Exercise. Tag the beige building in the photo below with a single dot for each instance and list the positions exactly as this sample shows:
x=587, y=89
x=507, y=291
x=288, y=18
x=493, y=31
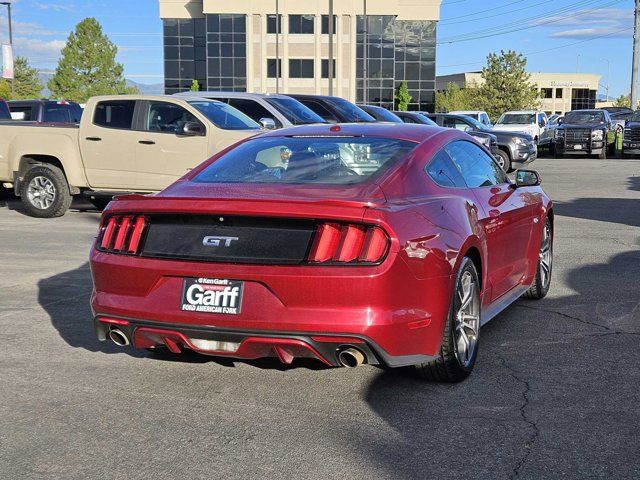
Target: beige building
x=561, y=92
x=236, y=45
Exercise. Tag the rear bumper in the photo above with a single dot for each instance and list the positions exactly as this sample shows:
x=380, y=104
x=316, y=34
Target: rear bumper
x=286, y=346
x=395, y=317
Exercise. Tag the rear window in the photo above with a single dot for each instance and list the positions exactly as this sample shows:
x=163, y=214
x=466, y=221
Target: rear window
x=306, y=160
x=61, y=113
x=22, y=113
x=115, y=114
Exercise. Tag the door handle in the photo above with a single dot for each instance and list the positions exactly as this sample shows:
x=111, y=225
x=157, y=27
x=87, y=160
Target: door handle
x=94, y=139
x=147, y=142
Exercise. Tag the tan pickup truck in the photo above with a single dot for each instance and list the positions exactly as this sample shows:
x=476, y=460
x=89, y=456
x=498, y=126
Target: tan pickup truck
x=124, y=143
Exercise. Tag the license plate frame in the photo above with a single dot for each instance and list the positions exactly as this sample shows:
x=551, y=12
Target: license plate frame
x=211, y=295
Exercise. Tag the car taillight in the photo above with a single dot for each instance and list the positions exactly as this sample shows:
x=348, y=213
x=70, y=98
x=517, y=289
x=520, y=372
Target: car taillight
x=122, y=233
x=350, y=243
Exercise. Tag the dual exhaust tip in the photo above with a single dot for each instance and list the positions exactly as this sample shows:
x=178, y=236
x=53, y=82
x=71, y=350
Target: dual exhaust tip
x=349, y=357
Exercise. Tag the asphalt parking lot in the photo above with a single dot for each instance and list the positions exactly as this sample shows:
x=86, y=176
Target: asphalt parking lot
x=554, y=394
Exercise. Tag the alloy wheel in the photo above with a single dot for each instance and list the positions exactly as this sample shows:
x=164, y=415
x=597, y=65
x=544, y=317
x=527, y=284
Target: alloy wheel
x=546, y=256
x=41, y=192
x=467, y=319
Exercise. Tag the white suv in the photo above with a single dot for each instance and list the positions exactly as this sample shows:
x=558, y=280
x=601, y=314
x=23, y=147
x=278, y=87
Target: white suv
x=526, y=121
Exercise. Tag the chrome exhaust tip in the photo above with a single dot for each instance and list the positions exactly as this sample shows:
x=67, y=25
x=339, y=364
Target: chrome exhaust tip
x=351, y=357
x=118, y=337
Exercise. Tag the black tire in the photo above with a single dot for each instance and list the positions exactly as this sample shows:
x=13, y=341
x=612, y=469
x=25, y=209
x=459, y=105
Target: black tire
x=100, y=202
x=552, y=149
x=59, y=195
x=540, y=286
x=505, y=160
x=448, y=367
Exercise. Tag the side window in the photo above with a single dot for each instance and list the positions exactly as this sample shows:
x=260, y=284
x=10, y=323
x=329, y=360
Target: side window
x=455, y=123
x=485, y=119
x=443, y=171
x=478, y=168
x=253, y=109
x=320, y=110
x=114, y=114
x=165, y=117
x=407, y=119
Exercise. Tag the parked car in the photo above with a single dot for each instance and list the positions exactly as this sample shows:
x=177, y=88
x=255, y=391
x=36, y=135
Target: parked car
x=270, y=110
x=552, y=131
x=586, y=132
x=617, y=110
x=334, y=109
x=487, y=139
x=45, y=111
x=124, y=143
x=531, y=122
x=381, y=114
x=631, y=139
x=620, y=119
x=5, y=113
x=279, y=248
x=515, y=149
x=479, y=115
x=415, y=117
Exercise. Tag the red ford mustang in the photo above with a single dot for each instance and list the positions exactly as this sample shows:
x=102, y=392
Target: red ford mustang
x=382, y=244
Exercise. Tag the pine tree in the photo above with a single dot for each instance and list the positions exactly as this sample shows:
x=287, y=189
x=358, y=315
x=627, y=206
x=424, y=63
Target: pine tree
x=507, y=85
x=26, y=83
x=88, y=66
x=402, y=97
x=195, y=86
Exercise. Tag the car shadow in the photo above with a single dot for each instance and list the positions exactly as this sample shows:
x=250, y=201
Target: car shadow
x=613, y=210
x=9, y=201
x=66, y=299
x=634, y=183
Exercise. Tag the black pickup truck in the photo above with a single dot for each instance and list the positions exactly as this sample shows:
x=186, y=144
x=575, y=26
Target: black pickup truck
x=586, y=132
x=631, y=139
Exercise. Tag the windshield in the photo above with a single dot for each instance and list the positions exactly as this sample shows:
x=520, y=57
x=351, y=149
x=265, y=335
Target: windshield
x=427, y=120
x=349, y=111
x=517, y=119
x=297, y=160
x=223, y=116
x=635, y=117
x=476, y=124
x=584, y=117
x=294, y=111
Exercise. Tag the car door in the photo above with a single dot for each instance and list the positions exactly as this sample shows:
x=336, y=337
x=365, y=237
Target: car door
x=163, y=152
x=108, y=145
x=505, y=215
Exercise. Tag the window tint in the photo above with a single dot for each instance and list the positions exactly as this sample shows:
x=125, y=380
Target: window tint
x=22, y=113
x=65, y=113
x=320, y=110
x=408, y=119
x=167, y=117
x=224, y=116
x=114, y=114
x=478, y=168
x=458, y=124
x=5, y=114
x=253, y=109
x=443, y=171
x=294, y=111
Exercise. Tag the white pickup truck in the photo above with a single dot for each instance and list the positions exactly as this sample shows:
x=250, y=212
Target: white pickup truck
x=124, y=143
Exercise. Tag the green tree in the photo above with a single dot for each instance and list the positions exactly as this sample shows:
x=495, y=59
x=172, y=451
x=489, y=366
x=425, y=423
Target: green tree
x=402, y=97
x=195, y=86
x=456, y=98
x=507, y=85
x=26, y=83
x=88, y=66
x=623, y=101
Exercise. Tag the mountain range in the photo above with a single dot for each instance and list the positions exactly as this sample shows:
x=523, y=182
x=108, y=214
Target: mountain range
x=148, y=89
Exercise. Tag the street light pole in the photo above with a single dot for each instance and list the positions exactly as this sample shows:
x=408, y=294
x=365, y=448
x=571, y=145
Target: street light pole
x=634, y=68
x=8, y=4
x=608, y=76
x=330, y=69
x=364, y=56
x=277, y=47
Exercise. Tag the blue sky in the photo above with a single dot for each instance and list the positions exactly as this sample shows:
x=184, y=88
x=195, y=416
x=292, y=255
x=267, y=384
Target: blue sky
x=557, y=35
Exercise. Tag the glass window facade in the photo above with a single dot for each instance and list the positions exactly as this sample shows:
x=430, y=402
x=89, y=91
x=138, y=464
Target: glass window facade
x=396, y=52
x=582, y=98
x=185, y=54
x=227, y=52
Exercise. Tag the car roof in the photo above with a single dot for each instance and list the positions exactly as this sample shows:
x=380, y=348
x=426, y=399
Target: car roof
x=217, y=93
x=464, y=112
x=523, y=111
x=401, y=131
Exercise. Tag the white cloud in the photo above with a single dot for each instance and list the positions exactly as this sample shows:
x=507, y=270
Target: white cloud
x=611, y=22
x=56, y=7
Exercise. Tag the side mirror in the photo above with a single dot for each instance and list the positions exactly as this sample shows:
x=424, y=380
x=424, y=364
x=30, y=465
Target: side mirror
x=268, y=123
x=560, y=120
x=468, y=129
x=193, y=129
x=527, y=178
